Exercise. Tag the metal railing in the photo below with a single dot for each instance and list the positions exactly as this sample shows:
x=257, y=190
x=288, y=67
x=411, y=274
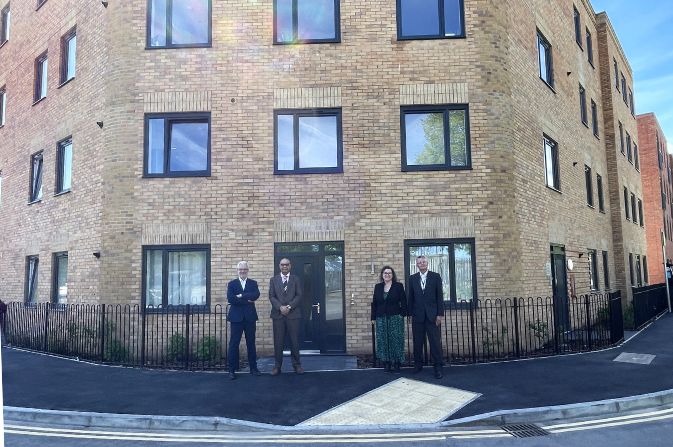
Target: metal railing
x=504, y=329
x=648, y=302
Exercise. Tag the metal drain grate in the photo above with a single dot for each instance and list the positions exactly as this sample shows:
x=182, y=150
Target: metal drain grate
x=525, y=430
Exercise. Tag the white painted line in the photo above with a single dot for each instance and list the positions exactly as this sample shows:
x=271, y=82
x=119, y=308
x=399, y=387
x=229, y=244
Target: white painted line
x=615, y=424
x=611, y=419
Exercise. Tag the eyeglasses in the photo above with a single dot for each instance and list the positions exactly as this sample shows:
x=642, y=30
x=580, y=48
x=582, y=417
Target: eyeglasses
x=387, y=273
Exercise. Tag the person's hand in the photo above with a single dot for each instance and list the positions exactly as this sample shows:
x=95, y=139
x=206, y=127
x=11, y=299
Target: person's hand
x=239, y=295
x=438, y=321
x=284, y=310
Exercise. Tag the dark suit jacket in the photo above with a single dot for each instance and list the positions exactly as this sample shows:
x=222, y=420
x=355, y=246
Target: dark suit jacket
x=240, y=309
x=428, y=303
x=281, y=297
x=396, y=304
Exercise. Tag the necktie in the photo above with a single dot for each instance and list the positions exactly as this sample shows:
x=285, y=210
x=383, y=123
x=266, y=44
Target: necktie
x=423, y=283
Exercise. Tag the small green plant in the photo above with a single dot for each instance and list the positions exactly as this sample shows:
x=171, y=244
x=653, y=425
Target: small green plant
x=115, y=351
x=603, y=316
x=176, y=348
x=493, y=340
x=629, y=318
x=208, y=349
x=540, y=330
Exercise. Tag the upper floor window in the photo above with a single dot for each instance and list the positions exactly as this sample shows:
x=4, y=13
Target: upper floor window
x=589, y=185
x=590, y=48
x=551, y=164
x=40, y=3
x=626, y=203
x=30, y=291
x=36, y=177
x=435, y=137
x=624, y=92
x=634, y=216
x=583, y=106
x=5, y=17
x=308, y=141
x=629, y=156
x=177, y=145
x=545, y=59
x=621, y=137
x=304, y=21
x=633, y=110
x=614, y=62
x=594, y=117
x=578, y=26
x=64, y=166
x=636, y=157
x=599, y=188
x=41, y=65
x=427, y=19
x=3, y=105
x=68, y=51
x=640, y=212
x=179, y=23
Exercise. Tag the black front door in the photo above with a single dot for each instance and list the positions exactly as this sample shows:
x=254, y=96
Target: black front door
x=320, y=268
x=559, y=286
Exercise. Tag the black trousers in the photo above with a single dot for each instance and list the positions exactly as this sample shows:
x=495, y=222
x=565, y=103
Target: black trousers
x=430, y=330
x=281, y=326
x=237, y=329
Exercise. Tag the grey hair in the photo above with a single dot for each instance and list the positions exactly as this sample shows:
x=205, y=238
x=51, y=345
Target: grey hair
x=242, y=264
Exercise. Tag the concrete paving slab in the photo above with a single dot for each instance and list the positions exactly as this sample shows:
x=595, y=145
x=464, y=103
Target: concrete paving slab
x=639, y=359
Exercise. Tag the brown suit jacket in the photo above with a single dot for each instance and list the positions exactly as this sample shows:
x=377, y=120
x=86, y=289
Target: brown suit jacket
x=281, y=297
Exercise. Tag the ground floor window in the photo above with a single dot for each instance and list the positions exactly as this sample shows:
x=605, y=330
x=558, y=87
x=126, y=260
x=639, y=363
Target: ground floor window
x=32, y=263
x=176, y=275
x=453, y=259
x=60, y=278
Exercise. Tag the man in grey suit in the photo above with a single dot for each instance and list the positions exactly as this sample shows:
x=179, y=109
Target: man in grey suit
x=285, y=294
x=426, y=307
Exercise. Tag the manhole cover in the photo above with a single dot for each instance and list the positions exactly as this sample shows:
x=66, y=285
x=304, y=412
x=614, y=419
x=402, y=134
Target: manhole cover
x=525, y=430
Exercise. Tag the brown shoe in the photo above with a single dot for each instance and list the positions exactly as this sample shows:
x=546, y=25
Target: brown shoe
x=275, y=371
x=299, y=369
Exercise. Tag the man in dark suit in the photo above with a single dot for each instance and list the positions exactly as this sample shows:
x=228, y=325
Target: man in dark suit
x=241, y=294
x=426, y=307
x=285, y=294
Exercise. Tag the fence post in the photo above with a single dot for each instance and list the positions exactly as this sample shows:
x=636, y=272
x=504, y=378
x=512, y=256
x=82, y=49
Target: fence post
x=187, y=330
x=46, y=327
x=143, y=333
x=517, y=340
x=102, y=332
x=588, y=312
x=473, y=331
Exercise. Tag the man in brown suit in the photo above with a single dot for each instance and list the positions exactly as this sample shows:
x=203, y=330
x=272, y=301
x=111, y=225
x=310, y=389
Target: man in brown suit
x=285, y=294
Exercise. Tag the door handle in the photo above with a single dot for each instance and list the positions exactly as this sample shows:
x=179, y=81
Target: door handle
x=317, y=308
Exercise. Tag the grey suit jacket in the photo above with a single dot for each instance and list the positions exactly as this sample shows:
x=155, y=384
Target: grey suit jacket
x=279, y=296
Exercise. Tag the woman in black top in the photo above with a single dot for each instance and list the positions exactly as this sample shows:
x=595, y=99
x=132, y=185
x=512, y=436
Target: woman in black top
x=389, y=307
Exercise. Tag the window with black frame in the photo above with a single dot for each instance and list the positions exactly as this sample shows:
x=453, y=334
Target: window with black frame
x=179, y=23
x=606, y=271
x=599, y=190
x=453, y=259
x=64, y=166
x=629, y=156
x=583, y=106
x=315, y=21
x=3, y=104
x=640, y=212
x=177, y=145
x=589, y=185
x=30, y=290
x=35, y=177
x=594, y=117
x=636, y=157
x=551, y=163
x=68, y=53
x=626, y=203
x=435, y=137
x=430, y=19
x=545, y=60
x=621, y=138
x=634, y=216
x=593, y=269
x=308, y=141
x=60, y=278
x=577, y=21
x=5, y=19
x=41, y=69
x=176, y=275
x=590, y=48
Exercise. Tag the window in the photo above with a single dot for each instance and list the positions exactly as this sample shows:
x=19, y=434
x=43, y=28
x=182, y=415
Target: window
x=68, y=51
x=633, y=278
x=614, y=62
x=633, y=208
x=59, y=294
x=64, y=166
x=663, y=195
x=40, y=3
x=453, y=259
x=640, y=212
x=636, y=157
x=5, y=17
x=593, y=270
x=36, y=177
x=435, y=138
x=629, y=155
x=176, y=275
x=583, y=106
x=590, y=48
x=30, y=289
x=427, y=19
x=3, y=105
x=177, y=145
x=606, y=271
x=599, y=187
x=621, y=137
x=624, y=93
x=589, y=186
x=308, y=141
x=646, y=277
x=639, y=281
x=633, y=111
x=626, y=203
x=551, y=164
x=301, y=21
x=594, y=117
x=40, y=77
x=545, y=59
x=179, y=23
x=578, y=26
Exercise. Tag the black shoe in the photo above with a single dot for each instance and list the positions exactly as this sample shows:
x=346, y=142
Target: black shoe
x=255, y=372
x=417, y=369
x=438, y=373
x=232, y=375
x=397, y=369
x=386, y=367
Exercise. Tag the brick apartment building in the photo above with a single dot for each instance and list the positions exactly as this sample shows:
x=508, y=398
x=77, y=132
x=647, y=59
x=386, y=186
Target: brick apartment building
x=147, y=147
x=656, y=165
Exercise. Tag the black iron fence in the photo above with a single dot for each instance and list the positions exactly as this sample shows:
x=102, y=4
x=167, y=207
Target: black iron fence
x=504, y=329
x=648, y=302
x=181, y=337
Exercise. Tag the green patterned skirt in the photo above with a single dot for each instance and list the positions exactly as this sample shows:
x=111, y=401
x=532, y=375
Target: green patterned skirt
x=390, y=338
